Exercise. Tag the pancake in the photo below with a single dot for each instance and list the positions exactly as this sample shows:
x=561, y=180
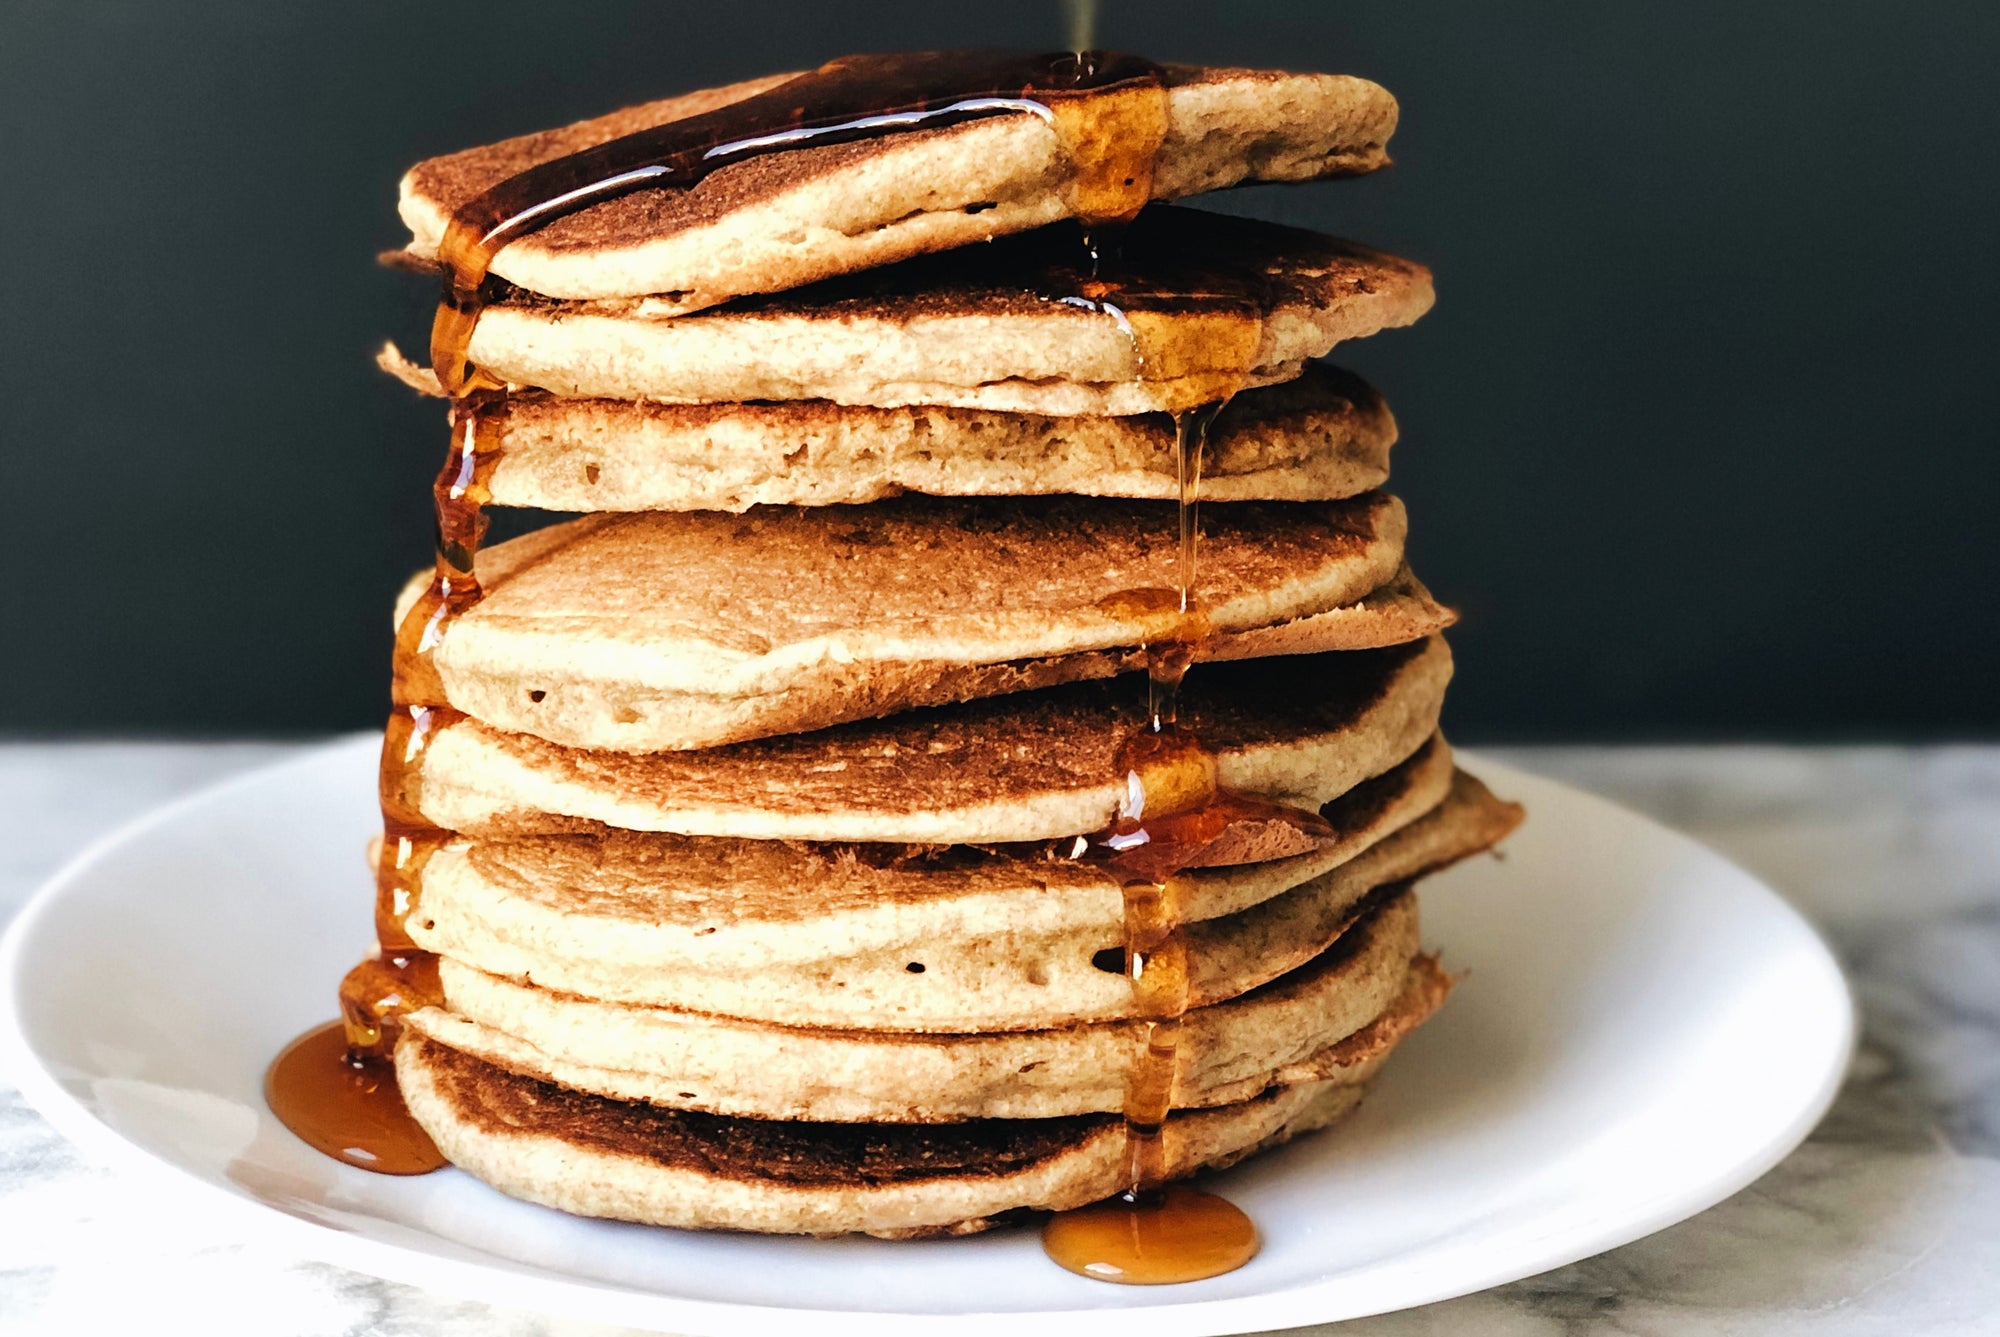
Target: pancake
x=635, y=1162
x=1398, y=613
x=650, y=631
x=994, y=977
x=1290, y=1030
x=1300, y=729
x=1319, y=438
x=1230, y=1050
x=1204, y=304
x=642, y=901
x=789, y=218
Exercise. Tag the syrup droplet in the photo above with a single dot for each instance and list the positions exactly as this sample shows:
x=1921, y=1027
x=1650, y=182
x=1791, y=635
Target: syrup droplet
x=1172, y=1235
x=349, y=1108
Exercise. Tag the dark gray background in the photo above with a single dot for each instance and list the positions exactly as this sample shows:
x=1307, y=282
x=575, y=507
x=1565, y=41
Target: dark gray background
x=1700, y=434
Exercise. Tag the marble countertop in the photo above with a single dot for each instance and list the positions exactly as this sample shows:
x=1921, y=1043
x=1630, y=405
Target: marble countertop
x=1886, y=1221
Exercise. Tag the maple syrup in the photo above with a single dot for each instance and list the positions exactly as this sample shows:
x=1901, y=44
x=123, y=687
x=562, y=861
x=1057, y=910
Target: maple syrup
x=346, y=1105
x=343, y=1099
x=401, y=977
x=459, y=497
x=335, y=1086
x=1177, y=1234
x=1156, y=1232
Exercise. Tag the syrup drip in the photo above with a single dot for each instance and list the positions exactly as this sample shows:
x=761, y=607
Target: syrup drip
x=343, y=1099
x=1108, y=110
x=335, y=1086
x=1082, y=23
x=347, y=1107
x=1177, y=1234
x=401, y=977
x=1155, y=1232
x=459, y=497
x=1205, y=342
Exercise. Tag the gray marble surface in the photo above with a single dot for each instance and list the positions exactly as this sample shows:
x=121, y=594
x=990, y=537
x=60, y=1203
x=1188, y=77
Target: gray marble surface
x=1886, y=1221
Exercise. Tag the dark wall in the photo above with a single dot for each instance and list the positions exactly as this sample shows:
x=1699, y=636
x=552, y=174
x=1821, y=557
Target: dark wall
x=1701, y=433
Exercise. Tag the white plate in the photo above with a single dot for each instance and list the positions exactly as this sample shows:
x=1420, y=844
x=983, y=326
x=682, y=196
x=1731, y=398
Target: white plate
x=1644, y=1029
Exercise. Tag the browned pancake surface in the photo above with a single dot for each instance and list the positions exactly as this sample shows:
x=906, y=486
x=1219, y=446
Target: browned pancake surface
x=658, y=878
x=1061, y=738
x=780, y=1151
x=453, y=180
x=1325, y=401
x=777, y=575
x=1170, y=259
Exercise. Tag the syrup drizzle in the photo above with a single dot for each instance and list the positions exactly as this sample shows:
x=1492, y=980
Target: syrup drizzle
x=459, y=497
x=343, y=1098
x=1155, y=1232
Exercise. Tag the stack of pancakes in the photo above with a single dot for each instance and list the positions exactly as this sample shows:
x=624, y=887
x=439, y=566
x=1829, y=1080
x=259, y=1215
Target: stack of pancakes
x=774, y=899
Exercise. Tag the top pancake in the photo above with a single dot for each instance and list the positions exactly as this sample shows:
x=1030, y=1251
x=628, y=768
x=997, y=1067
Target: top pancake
x=784, y=219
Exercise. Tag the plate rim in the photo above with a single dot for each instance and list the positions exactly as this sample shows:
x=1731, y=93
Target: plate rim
x=582, y=1298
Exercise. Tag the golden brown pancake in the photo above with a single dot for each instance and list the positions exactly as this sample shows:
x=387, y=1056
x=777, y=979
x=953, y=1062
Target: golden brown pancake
x=634, y=1162
x=1229, y=1051
x=1200, y=304
x=639, y=900
x=788, y=218
x=988, y=976
x=1300, y=729
x=652, y=631
x=1319, y=438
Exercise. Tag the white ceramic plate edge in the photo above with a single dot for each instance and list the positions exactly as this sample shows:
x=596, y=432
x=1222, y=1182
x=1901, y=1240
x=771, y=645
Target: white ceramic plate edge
x=1296, y=1306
